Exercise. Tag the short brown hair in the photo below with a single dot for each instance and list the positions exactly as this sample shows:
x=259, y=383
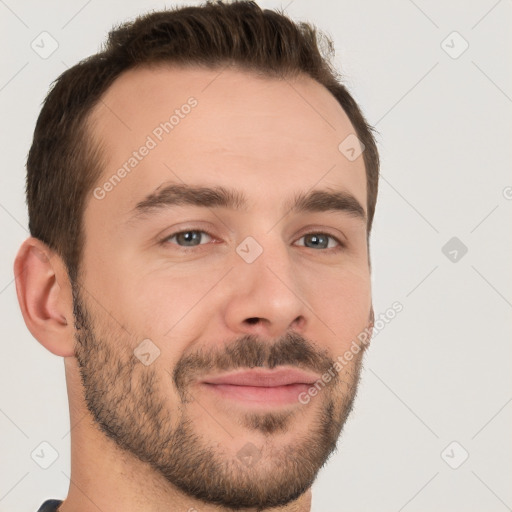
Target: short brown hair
x=64, y=163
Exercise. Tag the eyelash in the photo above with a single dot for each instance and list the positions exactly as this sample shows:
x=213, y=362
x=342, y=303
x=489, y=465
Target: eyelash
x=165, y=240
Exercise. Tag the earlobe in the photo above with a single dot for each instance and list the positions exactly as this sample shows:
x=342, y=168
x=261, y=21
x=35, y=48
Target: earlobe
x=44, y=295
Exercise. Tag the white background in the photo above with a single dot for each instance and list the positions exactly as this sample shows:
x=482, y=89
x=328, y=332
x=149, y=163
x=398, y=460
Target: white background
x=441, y=370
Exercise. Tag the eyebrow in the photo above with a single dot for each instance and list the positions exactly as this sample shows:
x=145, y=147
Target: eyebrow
x=223, y=197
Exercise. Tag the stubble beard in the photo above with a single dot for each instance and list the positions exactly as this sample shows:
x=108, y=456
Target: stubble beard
x=130, y=406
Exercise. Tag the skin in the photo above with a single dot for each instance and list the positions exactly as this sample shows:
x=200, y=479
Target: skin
x=268, y=140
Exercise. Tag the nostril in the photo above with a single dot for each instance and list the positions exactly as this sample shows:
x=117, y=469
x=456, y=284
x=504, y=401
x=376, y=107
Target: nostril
x=253, y=320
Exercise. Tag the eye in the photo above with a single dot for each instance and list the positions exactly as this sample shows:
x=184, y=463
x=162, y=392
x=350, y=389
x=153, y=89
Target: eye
x=196, y=237
x=189, y=238
x=320, y=241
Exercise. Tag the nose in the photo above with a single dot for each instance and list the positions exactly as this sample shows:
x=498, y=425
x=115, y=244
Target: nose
x=265, y=296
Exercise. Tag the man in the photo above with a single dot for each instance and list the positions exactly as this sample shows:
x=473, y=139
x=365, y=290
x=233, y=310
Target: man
x=200, y=197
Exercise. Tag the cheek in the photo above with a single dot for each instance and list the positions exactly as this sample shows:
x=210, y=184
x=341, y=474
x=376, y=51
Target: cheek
x=343, y=304
x=162, y=305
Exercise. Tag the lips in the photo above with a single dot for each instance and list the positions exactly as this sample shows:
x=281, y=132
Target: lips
x=264, y=378
x=261, y=388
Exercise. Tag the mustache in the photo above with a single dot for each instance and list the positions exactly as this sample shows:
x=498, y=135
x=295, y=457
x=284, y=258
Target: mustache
x=250, y=351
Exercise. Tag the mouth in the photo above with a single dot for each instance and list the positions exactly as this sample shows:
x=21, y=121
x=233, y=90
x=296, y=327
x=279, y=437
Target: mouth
x=260, y=387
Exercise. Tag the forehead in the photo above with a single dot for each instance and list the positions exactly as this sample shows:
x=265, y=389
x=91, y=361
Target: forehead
x=222, y=126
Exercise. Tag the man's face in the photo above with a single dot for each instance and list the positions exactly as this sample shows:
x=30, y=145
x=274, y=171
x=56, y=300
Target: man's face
x=218, y=291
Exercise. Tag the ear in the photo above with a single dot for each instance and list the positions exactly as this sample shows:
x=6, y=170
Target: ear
x=44, y=295
x=371, y=323
x=371, y=320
